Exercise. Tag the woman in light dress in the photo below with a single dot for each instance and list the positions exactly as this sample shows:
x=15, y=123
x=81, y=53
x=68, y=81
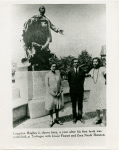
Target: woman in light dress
x=98, y=90
x=53, y=94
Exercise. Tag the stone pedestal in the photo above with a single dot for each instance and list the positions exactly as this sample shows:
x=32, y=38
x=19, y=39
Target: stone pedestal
x=32, y=87
x=31, y=84
x=37, y=108
x=19, y=112
x=24, y=82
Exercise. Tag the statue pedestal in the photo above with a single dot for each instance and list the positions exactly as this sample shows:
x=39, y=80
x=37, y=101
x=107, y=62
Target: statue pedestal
x=32, y=88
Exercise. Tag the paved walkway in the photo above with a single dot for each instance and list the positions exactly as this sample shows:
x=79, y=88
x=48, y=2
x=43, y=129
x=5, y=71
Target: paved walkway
x=65, y=116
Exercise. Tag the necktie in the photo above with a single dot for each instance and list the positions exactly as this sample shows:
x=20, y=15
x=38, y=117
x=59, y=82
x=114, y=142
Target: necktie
x=76, y=72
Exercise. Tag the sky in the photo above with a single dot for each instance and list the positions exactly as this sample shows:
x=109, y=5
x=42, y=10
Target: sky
x=84, y=27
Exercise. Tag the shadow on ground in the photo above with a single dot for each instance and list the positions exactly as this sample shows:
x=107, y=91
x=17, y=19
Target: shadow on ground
x=65, y=116
x=20, y=121
x=68, y=118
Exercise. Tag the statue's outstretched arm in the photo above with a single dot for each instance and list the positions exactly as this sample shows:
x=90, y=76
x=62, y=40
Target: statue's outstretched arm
x=54, y=28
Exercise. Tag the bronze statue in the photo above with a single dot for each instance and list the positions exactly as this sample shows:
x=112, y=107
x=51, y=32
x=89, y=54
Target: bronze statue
x=37, y=37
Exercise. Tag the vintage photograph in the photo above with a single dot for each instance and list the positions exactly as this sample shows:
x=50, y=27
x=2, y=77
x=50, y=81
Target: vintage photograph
x=58, y=65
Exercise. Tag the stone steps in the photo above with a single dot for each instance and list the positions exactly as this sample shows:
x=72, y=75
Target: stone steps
x=19, y=102
x=19, y=105
x=19, y=108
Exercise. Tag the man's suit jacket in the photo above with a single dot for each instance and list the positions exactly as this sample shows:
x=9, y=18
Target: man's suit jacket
x=76, y=82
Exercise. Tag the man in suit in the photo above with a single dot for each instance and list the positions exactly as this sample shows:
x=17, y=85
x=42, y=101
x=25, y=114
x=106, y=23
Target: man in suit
x=76, y=77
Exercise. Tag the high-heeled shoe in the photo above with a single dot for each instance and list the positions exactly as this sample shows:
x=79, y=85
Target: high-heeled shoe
x=58, y=122
x=97, y=121
x=51, y=123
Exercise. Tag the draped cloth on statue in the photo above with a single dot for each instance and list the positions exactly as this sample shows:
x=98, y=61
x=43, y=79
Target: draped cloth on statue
x=42, y=25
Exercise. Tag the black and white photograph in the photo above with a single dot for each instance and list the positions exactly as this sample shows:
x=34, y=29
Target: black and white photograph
x=58, y=65
x=55, y=92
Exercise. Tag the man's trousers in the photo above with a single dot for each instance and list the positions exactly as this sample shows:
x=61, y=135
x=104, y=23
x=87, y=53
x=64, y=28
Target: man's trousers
x=77, y=97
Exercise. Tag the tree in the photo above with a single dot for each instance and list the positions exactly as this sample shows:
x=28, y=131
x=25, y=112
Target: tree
x=65, y=64
x=56, y=60
x=85, y=58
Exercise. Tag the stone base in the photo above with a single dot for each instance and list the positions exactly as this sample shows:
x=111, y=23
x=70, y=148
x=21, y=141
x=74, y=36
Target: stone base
x=37, y=109
x=19, y=112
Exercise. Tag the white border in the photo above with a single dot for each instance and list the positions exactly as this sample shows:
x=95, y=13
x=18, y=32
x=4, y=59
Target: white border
x=112, y=86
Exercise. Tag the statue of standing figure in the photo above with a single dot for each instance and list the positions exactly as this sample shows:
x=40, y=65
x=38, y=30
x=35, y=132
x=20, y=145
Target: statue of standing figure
x=37, y=37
